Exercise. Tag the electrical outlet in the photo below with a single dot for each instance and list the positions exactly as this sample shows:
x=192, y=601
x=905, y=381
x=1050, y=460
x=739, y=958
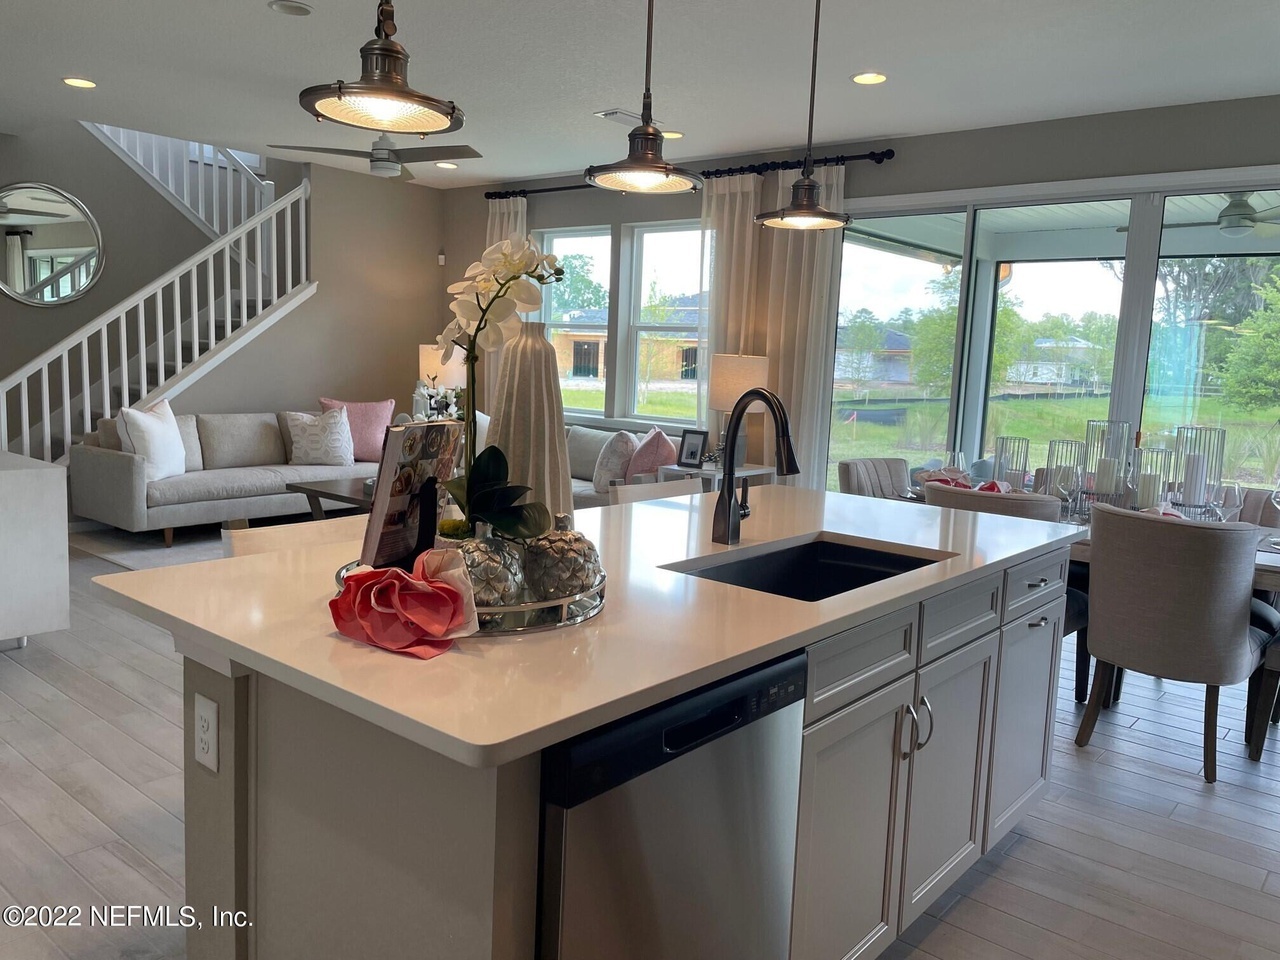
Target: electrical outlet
x=205, y=732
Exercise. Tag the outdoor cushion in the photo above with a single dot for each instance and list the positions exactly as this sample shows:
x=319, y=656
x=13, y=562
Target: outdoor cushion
x=239, y=439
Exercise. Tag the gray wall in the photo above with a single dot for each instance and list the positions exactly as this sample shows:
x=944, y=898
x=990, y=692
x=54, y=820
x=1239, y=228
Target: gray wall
x=374, y=245
x=143, y=235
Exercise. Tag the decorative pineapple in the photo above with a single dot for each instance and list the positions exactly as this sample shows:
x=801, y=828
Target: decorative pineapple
x=494, y=568
x=560, y=563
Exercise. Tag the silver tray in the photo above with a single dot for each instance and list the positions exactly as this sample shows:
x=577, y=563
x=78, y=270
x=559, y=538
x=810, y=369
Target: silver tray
x=527, y=616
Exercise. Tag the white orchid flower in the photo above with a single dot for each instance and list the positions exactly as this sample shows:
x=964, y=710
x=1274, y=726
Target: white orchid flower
x=467, y=311
x=526, y=293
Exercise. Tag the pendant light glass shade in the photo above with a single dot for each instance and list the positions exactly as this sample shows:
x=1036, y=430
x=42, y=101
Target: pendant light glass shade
x=382, y=98
x=643, y=170
x=805, y=211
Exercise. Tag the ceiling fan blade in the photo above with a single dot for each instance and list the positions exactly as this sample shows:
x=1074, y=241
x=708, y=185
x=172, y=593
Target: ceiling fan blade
x=336, y=151
x=421, y=154
x=1177, y=226
x=1267, y=215
x=1266, y=228
x=46, y=214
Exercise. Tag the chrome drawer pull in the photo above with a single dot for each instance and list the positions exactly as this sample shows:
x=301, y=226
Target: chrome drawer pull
x=915, y=732
x=1042, y=622
x=1037, y=584
x=924, y=702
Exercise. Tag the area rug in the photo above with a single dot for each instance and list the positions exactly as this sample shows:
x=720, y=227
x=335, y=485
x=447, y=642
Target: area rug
x=145, y=551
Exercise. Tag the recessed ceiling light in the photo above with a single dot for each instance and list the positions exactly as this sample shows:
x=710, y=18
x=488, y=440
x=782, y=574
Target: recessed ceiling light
x=671, y=135
x=446, y=165
x=869, y=79
x=79, y=83
x=290, y=8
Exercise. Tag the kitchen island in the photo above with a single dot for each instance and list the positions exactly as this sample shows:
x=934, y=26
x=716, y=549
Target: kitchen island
x=367, y=804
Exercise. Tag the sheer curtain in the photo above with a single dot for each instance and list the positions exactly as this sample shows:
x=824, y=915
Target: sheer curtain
x=730, y=241
x=15, y=262
x=799, y=287
x=506, y=217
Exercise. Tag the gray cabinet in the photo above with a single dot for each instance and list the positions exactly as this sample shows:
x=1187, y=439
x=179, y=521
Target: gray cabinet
x=1025, y=702
x=946, y=788
x=849, y=840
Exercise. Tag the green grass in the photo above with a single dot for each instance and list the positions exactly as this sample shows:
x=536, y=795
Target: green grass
x=659, y=405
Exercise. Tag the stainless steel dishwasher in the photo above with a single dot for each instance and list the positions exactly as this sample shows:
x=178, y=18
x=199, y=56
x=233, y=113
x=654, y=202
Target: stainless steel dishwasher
x=671, y=835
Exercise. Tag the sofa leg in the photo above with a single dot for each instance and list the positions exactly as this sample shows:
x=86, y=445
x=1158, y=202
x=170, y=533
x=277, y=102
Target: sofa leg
x=168, y=536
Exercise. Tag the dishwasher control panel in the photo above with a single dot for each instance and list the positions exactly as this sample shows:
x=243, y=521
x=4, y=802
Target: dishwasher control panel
x=775, y=695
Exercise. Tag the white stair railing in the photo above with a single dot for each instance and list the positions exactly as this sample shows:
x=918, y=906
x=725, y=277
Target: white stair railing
x=139, y=349
x=77, y=274
x=211, y=182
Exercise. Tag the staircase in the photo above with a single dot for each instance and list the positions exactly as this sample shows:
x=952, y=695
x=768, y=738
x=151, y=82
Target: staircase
x=211, y=185
x=169, y=334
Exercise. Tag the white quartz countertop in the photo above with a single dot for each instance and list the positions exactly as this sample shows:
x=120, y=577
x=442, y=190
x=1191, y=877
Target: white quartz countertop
x=492, y=700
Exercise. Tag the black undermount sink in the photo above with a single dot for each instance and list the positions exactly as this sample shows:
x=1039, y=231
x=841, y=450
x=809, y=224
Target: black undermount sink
x=811, y=571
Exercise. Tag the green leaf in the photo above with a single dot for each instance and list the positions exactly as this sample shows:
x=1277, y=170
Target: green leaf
x=497, y=498
x=522, y=521
x=490, y=468
x=457, y=488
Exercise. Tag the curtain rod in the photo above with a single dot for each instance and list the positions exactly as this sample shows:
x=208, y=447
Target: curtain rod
x=18, y=233
x=875, y=156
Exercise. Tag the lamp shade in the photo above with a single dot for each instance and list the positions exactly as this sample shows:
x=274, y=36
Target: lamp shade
x=731, y=376
x=432, y=367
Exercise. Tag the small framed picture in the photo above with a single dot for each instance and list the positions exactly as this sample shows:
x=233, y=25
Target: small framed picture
x=693, y=443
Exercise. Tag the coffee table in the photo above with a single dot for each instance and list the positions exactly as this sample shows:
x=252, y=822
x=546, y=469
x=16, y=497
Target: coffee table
x=350, y=491
x=713, y=474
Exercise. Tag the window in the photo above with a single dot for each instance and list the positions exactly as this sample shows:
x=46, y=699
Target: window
x=1214, y=355
x=576, y=312
x=896, y=326
x=665, y=302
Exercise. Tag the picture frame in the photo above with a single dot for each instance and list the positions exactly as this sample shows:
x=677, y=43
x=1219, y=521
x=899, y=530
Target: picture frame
x=693, y=444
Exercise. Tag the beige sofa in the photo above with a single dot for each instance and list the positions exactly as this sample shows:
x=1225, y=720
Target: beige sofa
x=585, y=444
x=237, y=468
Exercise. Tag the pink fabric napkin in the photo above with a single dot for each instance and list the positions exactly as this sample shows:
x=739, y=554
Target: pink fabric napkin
x=1165, y=511
x=418, y=613
x=996, y=486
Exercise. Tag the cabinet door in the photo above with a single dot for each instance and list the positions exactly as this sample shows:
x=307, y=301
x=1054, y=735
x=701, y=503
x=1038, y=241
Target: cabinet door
x=1022, y=730
x=947, y=788
x=849, y=842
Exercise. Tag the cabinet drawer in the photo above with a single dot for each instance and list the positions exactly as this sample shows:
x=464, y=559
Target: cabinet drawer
x=1034, y=583
x=951, y=620
x=852, y=664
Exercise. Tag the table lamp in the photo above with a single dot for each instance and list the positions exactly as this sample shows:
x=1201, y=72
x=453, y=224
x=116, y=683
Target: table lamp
x=433, y=370
x=731, y=376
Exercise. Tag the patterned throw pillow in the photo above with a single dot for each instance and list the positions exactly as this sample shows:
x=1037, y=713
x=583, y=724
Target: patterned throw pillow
x=368, y=422
x=614, y=460
x=655, y=450
x=321, y=441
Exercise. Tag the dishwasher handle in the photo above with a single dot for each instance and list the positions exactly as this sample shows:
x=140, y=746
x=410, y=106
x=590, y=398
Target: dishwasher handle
x=692, y=734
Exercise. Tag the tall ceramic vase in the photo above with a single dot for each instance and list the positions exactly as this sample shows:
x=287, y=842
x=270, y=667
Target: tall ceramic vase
x=528, y=419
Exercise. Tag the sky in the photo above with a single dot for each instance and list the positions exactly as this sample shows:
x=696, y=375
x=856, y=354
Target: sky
x=671, y=257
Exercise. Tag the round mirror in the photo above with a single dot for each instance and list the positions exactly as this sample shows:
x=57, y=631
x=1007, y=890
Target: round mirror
x=52, y=245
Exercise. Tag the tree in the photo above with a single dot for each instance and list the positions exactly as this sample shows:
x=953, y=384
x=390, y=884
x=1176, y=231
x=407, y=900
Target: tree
x=653, y=347
x=933, y=338
x=1252, y=371
x=577, y=291
x=859, y=334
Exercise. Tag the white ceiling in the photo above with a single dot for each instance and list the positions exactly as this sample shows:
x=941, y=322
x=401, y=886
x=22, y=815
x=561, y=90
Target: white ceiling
x=731, y=74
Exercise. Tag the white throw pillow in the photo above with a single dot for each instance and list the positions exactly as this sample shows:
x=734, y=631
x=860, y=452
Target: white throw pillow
x=615, y=458
x=323, y=440
x=153, y=434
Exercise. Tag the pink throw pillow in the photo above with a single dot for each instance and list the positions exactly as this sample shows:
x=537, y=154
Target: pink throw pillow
x=369, y=422
x=655, y=450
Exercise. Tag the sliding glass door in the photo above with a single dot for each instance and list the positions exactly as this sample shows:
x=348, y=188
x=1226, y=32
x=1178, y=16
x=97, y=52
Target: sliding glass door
x=1214, y=356
x=896, y=328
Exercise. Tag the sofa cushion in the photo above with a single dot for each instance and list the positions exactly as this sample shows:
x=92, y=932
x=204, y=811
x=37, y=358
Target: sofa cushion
x=190, y=441
x=585, y=444
x=615, y=459
x=109, y=434
x=368, y=421
x=233, y=483
x=584, y=494
x=239, y=440
x=323, y=440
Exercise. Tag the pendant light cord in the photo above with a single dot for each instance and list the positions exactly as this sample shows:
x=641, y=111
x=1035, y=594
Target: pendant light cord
x=646, y=106
x=813, y=89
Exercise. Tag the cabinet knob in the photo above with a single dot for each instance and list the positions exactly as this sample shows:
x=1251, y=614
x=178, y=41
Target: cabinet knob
x=1037, y=584
x=1042, y=622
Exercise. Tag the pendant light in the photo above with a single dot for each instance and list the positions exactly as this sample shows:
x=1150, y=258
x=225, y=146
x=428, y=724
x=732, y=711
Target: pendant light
x=644, y=170
x=382, y=98
x=805, y=211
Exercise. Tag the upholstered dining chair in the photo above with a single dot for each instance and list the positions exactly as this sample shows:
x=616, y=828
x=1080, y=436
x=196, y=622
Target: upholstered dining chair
x=1032, y=506
x=634, y=492
x=883, y=477
x=1172, y=599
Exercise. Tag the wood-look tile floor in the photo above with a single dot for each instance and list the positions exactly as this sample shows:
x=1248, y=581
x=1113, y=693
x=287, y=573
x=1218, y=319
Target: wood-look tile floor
x=1132, y=856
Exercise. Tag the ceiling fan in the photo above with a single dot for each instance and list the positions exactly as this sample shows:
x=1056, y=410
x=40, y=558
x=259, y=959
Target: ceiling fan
x=1239, y=218
x=10, y=214
x=388, y=160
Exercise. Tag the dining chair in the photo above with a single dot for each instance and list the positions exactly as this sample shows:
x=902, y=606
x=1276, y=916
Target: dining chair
x=883, y=477
x=1033, y=506
x=1172, y=599
x=289, y=536
x=634, y=492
